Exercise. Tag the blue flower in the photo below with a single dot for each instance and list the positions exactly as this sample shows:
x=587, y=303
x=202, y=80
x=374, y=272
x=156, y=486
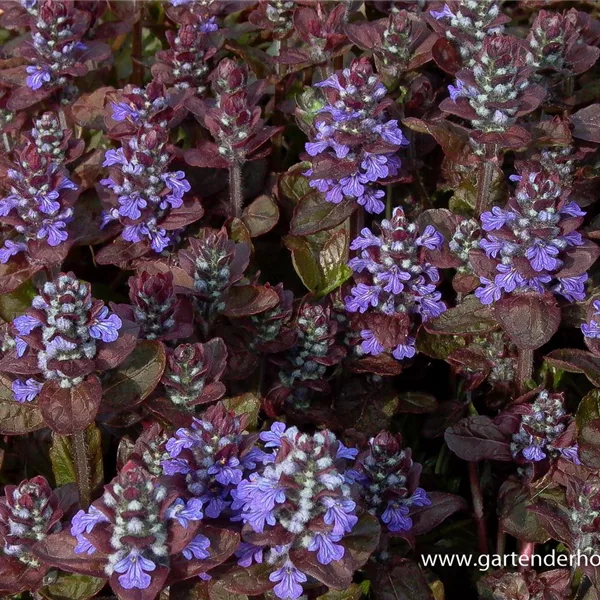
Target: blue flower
x=248, y=553
x=272, y=438
x=340, y=514
x=197, y=548
x=183, y=512
x=135, y=569
x=123, y=111
x=38, y=76
x=326, y=548
x=105, y=327
x=25, y=324
x=26, y=391
x=289, y=578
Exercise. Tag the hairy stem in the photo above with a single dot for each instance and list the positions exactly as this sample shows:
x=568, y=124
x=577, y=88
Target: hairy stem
x=484, y=184
x=81, y=457
x=524, y=369
x=525, y=554
x=235, y=189
x=478, y=512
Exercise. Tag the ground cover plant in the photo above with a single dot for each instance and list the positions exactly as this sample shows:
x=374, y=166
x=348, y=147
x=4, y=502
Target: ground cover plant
x=294, y=294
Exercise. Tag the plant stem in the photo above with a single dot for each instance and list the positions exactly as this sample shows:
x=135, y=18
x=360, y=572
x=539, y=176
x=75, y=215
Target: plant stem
x=389, y=202
x=137, y=72
x=524, y=369
x=484, y=184
x=500, y=540
x=277, y=114
x=526, y=549
x=235, y=189
x=81, y=456
x=478, y=512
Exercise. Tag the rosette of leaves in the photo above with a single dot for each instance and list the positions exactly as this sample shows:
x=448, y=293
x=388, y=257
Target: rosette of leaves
x=58, y=349
x=556, y=44
x=156, y=309
x=29, y=512
x=388, y=480
x=191, y=379
x=141, y=535
x=535, y=430
x=320, y=30
x=233, y=119
x=302, y=368
x=211, y=271
x=555, y=584
x=300, y=520
x=400, y=43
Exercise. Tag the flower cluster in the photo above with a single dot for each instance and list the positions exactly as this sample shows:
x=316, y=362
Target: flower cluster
x=57, y=49
x=60, y=336
x=315, y=349
x=496, y=90
x=467, y=23
x=159, y=312
x=234, y=118
x=186, y=64
x=28, y=513
x=354, y=138
x=140, y=530
x=40, y=199
x=212, y=456
x=529, y=242
x=543, y=423
x=193, y=373
x=275, y=15
x=394, y=277
x=555, y=43
x=214, y=263
x=389, y=481
x=591, y=328
x=144, y=194
x=301, y=499
x=392, y=41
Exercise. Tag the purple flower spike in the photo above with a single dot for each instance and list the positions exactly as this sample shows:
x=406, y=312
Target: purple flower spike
x=353, y=113
x=289, y=578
